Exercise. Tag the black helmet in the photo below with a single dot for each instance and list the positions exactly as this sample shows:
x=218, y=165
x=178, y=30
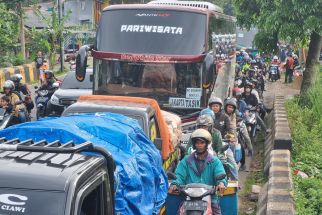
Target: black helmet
x=200, y=134
x=248, y=84
x=48, y=74
x=205, y=120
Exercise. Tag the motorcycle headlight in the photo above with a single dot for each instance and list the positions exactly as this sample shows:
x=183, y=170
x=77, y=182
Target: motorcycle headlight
x=195, y=192
x=54, y=100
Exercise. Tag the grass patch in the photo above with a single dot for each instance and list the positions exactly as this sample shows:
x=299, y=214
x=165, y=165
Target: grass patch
x=255, y=177
x=305, y=119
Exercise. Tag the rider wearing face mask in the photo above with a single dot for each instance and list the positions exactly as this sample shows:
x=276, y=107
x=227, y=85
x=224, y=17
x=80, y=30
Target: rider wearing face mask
x=248, y=96
x=201, y=167
x=221, y=121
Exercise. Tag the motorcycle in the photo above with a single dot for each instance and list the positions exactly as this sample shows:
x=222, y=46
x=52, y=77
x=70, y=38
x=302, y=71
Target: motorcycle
x=273, y=76
x=251, y=121
x=42, y=99
x=197, y=198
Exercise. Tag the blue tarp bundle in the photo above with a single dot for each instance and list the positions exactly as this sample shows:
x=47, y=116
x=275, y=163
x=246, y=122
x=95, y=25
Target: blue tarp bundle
x=140, y=183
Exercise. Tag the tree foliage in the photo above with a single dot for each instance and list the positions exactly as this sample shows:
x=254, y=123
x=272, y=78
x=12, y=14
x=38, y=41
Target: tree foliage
x=48, y=38
x=8, y=35
x=294, y=21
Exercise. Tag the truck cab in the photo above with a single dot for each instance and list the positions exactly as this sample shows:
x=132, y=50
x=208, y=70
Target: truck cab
x=158, y=125
x=52, y=178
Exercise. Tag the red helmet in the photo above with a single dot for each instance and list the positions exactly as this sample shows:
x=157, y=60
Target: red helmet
x=237, y=91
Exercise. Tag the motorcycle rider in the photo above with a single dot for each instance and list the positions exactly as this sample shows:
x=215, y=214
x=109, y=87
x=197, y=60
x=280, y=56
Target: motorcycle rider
x=275, y=61
x=48, y=83
x=247, y=64
x=20, y=87
x=5, y=104
x=206, y=122
x=18, y=107
x=251, y=100
x=242, y=106
x=201, y=167
x=221, y=120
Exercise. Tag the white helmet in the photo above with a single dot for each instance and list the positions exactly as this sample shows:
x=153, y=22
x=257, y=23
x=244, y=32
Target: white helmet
x=9, y=84
x=275, y=58
x=201, y=134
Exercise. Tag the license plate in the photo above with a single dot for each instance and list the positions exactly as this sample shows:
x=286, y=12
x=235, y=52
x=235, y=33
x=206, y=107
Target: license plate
x=42, y=99
x=195, y=205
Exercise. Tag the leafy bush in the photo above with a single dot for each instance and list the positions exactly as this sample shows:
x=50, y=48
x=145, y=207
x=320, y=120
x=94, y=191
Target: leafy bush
x=306, y=125
x=18, y=60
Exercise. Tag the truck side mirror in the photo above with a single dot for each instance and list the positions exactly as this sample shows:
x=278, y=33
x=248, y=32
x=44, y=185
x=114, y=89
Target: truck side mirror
x=81, y=63
x=171, y=175
x=158, y=143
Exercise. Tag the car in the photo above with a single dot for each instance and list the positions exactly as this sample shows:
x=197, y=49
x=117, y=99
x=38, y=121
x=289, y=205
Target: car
x=68, y=93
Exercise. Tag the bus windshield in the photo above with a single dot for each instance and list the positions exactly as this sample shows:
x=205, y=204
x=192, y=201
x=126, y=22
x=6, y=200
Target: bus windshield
x=152, y=31
x=174, y=85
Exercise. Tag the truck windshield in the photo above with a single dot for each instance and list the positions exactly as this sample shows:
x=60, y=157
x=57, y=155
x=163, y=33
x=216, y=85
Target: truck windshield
x=152, y=31
x=31, y=202
x=173, y=85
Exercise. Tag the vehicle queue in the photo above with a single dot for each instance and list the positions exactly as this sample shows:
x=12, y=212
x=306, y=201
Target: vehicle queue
x=206, y=169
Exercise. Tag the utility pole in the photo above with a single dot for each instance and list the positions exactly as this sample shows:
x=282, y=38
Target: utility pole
x=22, y=31
x=61, y=36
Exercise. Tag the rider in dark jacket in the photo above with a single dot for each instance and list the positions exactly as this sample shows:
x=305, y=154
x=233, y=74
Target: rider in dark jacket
x=221, y=121
x=49, y=81
x=22, y=88
x=247, y=95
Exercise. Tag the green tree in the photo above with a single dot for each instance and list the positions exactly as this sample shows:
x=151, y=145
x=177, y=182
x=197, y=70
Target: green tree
x=17, y=7
x=295, y=21
x=8, y=35
x=48, y=38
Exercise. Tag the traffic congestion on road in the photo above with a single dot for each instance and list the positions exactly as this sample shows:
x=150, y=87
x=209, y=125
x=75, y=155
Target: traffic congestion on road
x=163, y=121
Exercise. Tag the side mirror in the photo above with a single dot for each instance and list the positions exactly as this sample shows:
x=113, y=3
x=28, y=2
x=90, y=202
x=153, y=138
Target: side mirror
x=35, y=87
x=220, y=177
x=81, y=63
x=158, y=143
x=91, y=78
x=171, y=175
x=56, y=85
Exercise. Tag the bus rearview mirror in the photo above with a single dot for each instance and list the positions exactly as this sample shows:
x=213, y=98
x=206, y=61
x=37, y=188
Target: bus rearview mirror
x=81, y=63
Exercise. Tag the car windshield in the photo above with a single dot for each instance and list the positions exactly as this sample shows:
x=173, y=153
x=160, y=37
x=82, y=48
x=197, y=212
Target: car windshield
x=167, y=83
x=31, y=202
x=70, y=82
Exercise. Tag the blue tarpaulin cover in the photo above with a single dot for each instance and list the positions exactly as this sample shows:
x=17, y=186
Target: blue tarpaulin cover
x=140, y=182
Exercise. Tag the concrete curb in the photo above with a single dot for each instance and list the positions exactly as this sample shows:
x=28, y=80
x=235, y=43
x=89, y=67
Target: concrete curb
x=275, y=197
x=28, y=72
